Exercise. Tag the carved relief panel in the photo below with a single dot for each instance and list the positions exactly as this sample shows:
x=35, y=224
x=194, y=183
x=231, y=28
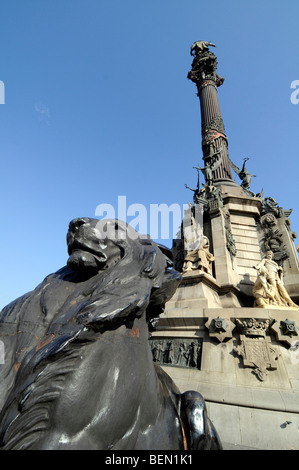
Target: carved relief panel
x=179, y=352
x=255, y=347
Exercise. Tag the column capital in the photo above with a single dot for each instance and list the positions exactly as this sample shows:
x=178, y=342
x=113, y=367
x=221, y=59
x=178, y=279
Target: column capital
x=204, y=66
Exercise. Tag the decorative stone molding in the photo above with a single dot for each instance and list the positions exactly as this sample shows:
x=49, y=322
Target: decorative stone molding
x=252, y=326
x=220, y=328
x=268, y=220
x=273, y=240
x=230, y=242
x=286, y=331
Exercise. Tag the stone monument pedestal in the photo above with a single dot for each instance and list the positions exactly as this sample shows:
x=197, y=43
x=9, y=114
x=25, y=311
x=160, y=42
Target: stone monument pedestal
x=247, y=358
x=248, y=377
x=233, y=334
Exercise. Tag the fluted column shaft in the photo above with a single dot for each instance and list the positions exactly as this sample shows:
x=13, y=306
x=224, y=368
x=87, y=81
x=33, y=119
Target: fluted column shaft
x=213, y=132
x=214, y=141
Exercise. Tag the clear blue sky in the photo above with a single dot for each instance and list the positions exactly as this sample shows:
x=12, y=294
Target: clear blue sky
x=97, y=105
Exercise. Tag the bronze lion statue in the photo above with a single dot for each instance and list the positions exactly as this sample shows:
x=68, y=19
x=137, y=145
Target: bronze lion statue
x=78, y=371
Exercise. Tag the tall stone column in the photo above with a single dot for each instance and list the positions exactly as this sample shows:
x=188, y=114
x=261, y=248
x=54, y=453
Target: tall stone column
x=214, y=141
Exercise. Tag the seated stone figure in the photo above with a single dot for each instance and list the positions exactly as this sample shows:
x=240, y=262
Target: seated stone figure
x=79, y=372
x=200, y=259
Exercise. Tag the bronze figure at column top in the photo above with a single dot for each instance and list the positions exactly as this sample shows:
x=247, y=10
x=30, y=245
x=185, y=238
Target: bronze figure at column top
x=204, y=65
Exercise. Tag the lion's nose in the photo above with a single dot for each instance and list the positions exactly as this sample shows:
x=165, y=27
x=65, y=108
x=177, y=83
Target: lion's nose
x=76, y=223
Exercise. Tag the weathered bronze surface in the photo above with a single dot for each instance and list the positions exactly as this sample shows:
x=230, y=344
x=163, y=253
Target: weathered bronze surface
x=79, y=371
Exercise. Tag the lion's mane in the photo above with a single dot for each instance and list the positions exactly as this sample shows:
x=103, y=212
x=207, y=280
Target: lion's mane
x=46, y=324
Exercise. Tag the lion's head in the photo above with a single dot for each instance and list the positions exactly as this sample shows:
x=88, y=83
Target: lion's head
x=90, y=248
x=130, y=268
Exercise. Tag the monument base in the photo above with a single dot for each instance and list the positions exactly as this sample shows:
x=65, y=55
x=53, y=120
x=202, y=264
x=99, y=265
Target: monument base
x=248, y=366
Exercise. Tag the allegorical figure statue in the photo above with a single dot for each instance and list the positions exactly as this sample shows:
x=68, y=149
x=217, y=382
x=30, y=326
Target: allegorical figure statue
x=79, y=371
x=211, y=165
x=243, y=174
x=269, y=288
x=199, y=259
x=197, y=192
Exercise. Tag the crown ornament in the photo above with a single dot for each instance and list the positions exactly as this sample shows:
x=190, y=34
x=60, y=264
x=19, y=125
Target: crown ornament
x=252, y=326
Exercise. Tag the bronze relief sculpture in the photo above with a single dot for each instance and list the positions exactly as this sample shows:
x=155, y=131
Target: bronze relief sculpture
x=79, y=371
